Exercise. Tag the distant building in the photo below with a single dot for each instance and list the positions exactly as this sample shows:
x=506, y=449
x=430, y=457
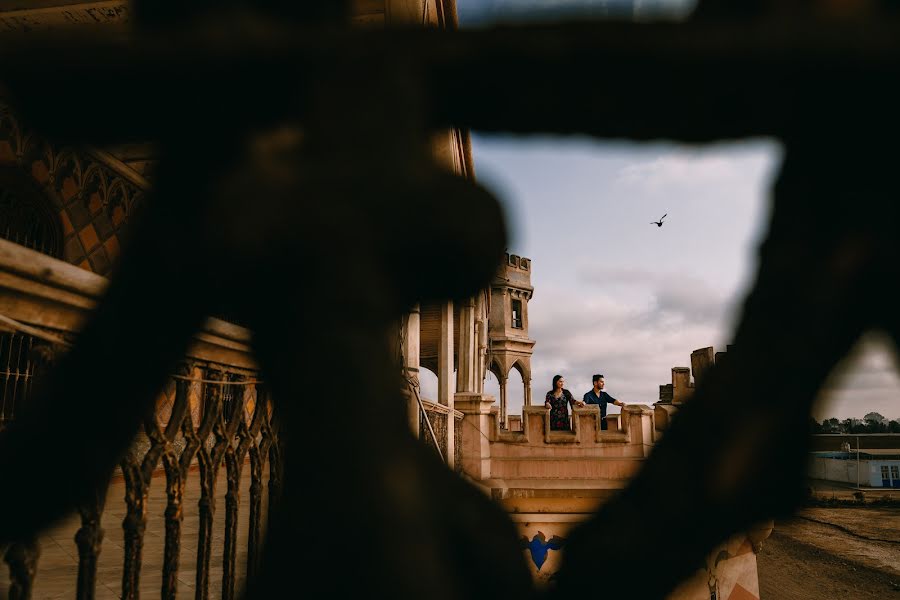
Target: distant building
x=875, y=468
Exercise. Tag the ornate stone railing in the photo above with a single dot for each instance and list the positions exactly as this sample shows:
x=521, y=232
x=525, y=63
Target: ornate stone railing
x=214, y=417
x=437, y=414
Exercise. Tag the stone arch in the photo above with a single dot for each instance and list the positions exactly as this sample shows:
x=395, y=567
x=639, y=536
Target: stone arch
x=516, y=394
x=523, y=368
x=497, y=369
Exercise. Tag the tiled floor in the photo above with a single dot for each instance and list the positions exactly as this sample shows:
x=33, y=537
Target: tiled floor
x=58, y=564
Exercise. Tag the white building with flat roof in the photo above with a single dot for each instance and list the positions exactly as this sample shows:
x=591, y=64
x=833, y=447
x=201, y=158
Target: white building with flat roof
x=875, y=468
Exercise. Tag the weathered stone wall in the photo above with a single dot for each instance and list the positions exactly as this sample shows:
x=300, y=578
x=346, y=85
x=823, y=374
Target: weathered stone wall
x=458, y=445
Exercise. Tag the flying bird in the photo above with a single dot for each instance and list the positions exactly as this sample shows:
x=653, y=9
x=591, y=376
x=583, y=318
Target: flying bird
x=540, y=547
x=660, y=222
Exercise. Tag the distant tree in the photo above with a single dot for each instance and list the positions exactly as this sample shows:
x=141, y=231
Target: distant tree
x=854, y=425
x=815, y=427
x=875, y=426
x=832, y=425
x=874, y=416
x=894, y=427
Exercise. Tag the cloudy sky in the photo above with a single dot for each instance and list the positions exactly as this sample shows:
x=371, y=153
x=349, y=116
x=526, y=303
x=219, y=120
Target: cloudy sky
x=616, y=295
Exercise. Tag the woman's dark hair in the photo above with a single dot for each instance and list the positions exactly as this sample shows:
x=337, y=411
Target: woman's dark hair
x=555, y=379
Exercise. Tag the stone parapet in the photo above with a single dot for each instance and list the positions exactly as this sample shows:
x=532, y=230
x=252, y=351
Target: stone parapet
x=586, y=451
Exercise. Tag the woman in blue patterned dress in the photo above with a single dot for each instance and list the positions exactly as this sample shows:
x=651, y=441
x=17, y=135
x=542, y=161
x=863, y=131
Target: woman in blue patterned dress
x=558, y=401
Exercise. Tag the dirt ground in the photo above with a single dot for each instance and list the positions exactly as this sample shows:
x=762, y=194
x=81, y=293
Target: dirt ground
x=833, y=553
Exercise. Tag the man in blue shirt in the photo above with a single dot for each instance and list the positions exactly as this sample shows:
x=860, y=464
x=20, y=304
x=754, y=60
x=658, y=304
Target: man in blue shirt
x=601, y=398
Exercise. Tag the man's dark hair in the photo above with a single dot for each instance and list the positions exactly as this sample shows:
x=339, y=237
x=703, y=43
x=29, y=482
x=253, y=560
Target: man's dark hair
x=596, y=377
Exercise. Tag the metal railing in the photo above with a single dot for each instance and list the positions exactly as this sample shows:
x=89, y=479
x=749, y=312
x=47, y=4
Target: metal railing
x=214, y=417
x=16, y=372
x=209, y=421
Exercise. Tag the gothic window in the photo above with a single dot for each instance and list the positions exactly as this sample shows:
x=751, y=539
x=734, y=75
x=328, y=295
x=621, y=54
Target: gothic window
x=517, y=314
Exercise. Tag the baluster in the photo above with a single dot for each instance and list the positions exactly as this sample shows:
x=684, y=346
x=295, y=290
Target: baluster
x=22, y=558
x=234, y=459
x=195, y=438
x=274, y=471
x=208, y=472
x=174, y=515
x=233, y=474
x=257, y=458
x=89, y=540
x=176, y=474
x=134, y=524
x=137, y=485
x=253, y=535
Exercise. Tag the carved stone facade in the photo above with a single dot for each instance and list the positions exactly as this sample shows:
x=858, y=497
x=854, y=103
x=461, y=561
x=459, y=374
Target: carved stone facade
x=90, y=196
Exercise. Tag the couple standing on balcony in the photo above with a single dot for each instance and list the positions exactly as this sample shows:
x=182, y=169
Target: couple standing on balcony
x=559, y=399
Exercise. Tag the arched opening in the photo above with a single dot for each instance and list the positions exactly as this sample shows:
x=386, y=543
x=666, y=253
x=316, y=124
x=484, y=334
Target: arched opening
x=492, y=386
x=515, y=391
x=428, y=384
x=26, y=215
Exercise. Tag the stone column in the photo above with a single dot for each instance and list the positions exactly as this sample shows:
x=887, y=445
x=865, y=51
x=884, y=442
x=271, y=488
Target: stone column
x=480, y=354
x=445, y=372
x=527, y=384
x=524, y=297
x=478, y=432
x=503, y=419
x=465, y=375
x=411, y=359
x=482, y=314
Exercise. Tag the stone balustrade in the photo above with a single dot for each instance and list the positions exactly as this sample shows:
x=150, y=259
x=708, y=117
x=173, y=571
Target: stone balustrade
x=213, y=417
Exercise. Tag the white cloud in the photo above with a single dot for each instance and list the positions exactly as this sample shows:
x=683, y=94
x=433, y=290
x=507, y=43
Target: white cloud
x=634, y=343
x=683, y=170
x=678, y=297
x=865, y=381
x=616, y=295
